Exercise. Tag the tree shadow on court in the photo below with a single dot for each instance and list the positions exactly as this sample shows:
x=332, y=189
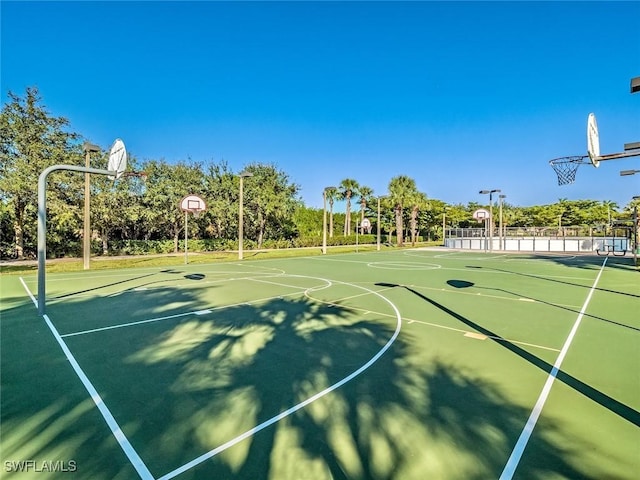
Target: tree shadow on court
x=467, y=284
x=47, y=418
x=46, y=414
x=241, y=367
x=582, y=261
x=135, y=280
x=553, y=280
x=619, y=408
x=191, y=384
x=138, y=303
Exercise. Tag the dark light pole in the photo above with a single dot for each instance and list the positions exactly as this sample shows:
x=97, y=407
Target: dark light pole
x=378, y=243
x=242, y=175
x=501, y=229
x=86, y=240
x=635, y=232
x=444, y=226
x=490, y=192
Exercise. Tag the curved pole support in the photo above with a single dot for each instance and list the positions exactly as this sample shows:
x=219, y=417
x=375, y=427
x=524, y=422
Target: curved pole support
x=42, y=222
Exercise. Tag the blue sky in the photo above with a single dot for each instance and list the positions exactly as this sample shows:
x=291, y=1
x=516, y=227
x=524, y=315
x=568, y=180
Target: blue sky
x=460, y=96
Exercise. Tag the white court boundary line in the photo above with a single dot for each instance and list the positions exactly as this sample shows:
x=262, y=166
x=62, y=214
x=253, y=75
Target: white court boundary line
x=199, y=312
x=521, y=444
x=124, y=443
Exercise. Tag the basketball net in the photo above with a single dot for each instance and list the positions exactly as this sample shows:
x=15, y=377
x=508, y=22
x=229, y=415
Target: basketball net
x=566, y=168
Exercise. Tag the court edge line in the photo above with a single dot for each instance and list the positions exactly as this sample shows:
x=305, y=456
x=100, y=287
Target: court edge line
x=521, y=444
x=117, y=432
x=295, y=408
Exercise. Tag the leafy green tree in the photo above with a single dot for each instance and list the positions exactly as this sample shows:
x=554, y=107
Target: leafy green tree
x=308, y=221
x=167, y=185
x=271, y=200
x=401, y=190
x=222, y=191
x=116, y=206
x=31, y=139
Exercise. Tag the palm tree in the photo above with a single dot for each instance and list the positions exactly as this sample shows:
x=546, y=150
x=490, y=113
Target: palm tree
x=612, y=207
x=364, y=193
x=401, y=190
x=418, y=202
x=347, y=189
x=332, y=195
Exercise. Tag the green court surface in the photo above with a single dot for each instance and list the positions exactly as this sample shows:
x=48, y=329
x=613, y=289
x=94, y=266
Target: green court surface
x=385, y=365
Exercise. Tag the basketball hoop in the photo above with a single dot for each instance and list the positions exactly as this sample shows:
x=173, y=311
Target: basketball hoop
x=192, y=204
x=195, y=205
x=142, y=175
x=566, y=167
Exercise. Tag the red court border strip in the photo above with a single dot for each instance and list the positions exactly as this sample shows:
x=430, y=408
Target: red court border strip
x=123, y=441
x=521, y=444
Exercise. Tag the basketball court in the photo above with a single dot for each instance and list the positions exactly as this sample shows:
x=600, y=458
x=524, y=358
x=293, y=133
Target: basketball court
x=400, y=365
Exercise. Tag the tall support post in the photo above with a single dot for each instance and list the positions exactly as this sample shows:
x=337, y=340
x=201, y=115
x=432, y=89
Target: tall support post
x=243, y=175
x=490, y=192
x=186, y=258
x=324, y=221
x=501, y=228
x=490, y=223
x=378, y=243
x=635, y=234
x=444, y=227
x=86, y=235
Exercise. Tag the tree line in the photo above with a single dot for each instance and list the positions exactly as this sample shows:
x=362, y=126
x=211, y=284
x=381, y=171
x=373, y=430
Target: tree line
x=141, y=213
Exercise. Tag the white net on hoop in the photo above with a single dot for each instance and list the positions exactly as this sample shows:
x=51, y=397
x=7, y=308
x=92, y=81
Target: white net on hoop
x=566, y=168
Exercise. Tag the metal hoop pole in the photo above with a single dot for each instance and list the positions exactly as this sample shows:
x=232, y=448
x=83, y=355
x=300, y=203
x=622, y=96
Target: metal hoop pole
x=42, y=223
x=186, y=260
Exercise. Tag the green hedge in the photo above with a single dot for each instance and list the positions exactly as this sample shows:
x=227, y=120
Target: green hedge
x=147, y=247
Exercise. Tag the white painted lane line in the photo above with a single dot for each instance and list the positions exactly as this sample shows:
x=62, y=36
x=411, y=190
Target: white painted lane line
x=169, y=317
x=126, y=446
x=521, y=444
x=24, y=285
x=295, y=408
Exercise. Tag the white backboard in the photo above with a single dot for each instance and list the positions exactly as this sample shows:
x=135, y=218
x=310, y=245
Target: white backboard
x=481, y=214
x=192, y=203
x=117, y=159
x=593, y=140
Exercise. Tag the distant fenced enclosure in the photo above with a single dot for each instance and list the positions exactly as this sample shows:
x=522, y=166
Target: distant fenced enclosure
x=541, y=239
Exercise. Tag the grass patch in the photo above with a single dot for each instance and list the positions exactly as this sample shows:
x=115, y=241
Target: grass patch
x=105, y=263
